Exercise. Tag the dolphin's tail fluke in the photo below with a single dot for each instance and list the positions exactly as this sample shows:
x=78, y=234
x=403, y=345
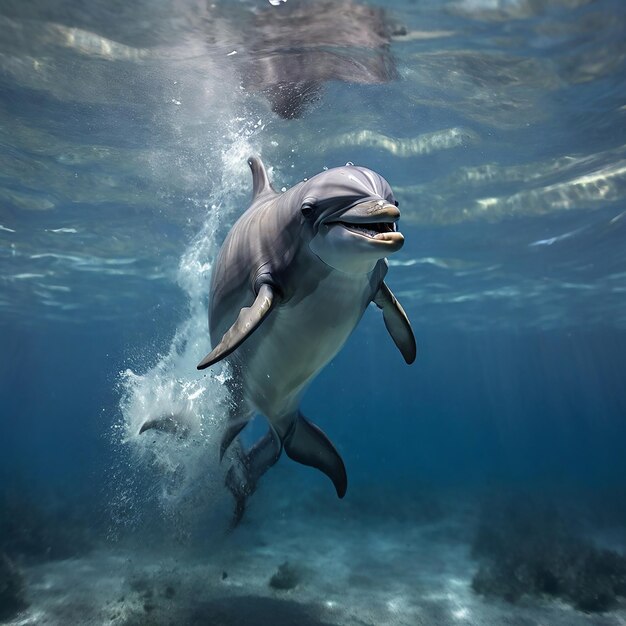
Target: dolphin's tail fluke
x=171, y=423
x=241, y=490
x=307, y=444
x=242, y=478
x=304, y=443
x=231, y=432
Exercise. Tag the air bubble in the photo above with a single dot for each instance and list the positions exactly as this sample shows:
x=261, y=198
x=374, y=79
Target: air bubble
x=283, y=189
x=349, y=163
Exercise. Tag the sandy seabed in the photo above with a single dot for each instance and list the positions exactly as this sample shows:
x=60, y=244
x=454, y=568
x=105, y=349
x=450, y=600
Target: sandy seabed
x=285, y=565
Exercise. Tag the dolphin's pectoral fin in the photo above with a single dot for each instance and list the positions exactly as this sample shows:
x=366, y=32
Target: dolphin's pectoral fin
x=247, y=322
x=243, y=476
x=307, y=444
x=397, y=322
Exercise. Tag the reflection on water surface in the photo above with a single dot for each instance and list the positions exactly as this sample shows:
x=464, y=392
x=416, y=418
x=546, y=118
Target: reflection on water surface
x=499, y=123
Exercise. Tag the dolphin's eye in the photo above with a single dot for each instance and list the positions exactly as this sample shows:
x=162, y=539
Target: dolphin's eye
x=307, y=209
x=396, y=203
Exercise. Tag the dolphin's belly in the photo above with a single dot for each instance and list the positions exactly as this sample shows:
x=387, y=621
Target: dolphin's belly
x=297, y=340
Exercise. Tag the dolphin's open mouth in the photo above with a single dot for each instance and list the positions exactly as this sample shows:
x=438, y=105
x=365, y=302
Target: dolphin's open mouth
x=375, y=230
x=372, y=220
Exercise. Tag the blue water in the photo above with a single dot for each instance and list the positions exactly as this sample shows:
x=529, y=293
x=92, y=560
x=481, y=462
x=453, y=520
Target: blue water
x=124, y=133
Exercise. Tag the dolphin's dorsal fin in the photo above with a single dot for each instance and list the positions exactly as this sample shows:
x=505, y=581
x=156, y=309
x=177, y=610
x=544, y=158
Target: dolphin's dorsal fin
x=397, y=322
x=260, y=180
x=249, y=319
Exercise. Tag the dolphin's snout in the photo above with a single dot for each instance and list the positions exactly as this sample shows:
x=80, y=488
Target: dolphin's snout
x=371, y=211
x=391, y=212
x=383, y=210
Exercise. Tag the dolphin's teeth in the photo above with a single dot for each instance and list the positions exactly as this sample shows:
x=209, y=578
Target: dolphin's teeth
x=371, y=229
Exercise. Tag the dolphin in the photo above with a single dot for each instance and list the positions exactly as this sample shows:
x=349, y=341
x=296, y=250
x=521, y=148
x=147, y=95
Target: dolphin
x=291, y=282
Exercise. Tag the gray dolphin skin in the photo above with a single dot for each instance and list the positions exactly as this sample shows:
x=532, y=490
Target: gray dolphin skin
x=291, y=282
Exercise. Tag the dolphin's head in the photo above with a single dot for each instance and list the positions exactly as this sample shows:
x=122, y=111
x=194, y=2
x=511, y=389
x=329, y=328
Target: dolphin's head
x=351, y=218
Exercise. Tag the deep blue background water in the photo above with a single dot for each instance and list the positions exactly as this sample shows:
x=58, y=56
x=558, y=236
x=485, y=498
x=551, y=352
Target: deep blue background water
x=535, y=410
